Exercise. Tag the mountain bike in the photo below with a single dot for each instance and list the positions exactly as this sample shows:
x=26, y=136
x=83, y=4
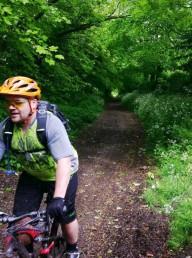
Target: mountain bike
x=46, y=235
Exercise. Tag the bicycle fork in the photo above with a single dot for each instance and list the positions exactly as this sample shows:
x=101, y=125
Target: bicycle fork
x=47, y=246
x=45, y=250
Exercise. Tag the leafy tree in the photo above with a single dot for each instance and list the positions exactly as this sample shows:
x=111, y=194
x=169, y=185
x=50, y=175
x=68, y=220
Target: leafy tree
x=148, y=43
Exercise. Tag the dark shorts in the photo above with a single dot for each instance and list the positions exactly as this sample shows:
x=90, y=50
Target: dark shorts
x=30, y=192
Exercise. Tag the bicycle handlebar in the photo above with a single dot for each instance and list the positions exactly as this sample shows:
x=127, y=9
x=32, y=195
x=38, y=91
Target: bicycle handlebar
x=5, y=218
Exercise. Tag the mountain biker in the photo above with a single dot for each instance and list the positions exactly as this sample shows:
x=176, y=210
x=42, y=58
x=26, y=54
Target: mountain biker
x=51, y=170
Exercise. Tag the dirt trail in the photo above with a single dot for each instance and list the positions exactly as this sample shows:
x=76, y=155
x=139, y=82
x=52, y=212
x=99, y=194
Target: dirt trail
x=115, y=221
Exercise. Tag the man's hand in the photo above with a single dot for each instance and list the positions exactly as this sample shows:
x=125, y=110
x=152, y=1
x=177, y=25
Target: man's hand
x=57, y=208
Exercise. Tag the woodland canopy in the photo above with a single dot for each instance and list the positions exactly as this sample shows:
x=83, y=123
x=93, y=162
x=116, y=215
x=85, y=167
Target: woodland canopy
x=77, y=47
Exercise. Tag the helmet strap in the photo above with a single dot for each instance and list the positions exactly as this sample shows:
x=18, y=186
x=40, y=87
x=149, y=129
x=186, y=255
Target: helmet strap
x=31, y=110
x=28, y=121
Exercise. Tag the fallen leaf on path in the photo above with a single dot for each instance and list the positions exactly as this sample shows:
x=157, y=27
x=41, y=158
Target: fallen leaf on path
x=136, y=184
x=117, y=227
x=144, y=168
x=150, y=255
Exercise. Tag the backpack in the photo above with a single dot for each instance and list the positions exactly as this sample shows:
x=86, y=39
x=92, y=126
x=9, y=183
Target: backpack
x=43, y=107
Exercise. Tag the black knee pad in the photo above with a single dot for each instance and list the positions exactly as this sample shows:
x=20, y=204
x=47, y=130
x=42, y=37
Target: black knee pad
x=69, y=217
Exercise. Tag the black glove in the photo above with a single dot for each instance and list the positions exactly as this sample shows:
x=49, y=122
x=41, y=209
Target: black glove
x=57, y=209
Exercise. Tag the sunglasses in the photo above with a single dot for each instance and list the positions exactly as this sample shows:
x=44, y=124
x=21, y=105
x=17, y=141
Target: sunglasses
x=16, y=103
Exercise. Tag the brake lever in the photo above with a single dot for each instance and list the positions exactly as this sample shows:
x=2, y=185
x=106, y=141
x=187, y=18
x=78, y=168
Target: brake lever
x=3, y=213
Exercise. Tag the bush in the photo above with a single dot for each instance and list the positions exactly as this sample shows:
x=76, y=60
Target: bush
x=161, y=116
x=170, y=191
x=178, y=81
x=172, y=82
x=128, y=100
x=85, y=112
x=181, y=223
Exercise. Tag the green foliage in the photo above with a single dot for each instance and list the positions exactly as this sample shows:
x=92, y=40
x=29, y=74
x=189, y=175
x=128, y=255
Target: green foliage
x=83, y=113
x=183, y=133
x=170, y=191
x=62, y=38
x=155, y=37
x=25, y=36
x=161, y=115
x=15, y=165
x=3, y=111
x=128, y=100
x=181, y=224
x=178, y=81
x=51, y=42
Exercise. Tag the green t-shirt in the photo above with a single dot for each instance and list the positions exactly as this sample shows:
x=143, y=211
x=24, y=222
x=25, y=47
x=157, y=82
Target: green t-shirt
x=31, y=154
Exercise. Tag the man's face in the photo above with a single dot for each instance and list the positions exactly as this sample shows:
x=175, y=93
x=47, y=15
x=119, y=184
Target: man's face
x=19, y=108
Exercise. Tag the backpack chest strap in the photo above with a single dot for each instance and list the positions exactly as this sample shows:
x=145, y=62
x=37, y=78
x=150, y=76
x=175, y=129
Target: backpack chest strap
x=41, y=126
x=8, y=133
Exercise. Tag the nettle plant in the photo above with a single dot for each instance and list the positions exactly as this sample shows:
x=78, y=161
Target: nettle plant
x=170, y=191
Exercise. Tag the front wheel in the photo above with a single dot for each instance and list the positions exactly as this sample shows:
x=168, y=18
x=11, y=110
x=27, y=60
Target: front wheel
x=20, y=250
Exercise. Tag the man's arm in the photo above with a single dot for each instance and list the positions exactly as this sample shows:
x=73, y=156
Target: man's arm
x=63, y=172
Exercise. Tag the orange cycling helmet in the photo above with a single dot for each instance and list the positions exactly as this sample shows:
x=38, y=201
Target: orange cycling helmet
x=20, y=86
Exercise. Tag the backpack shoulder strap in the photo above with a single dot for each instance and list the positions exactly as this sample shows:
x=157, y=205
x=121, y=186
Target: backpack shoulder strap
x=8, y=133
x=41, y=123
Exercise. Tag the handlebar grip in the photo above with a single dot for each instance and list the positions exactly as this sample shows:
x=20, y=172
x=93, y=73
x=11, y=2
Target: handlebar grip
x=6, y=219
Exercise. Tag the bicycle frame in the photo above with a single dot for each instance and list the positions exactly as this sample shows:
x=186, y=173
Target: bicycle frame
x=45, y=236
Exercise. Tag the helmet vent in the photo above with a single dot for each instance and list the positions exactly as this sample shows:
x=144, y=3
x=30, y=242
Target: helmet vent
x=31, y=90
x=23, y=85
x=16, y=81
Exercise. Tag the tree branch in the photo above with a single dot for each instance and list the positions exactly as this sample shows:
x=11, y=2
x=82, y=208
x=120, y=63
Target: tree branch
x=115, y=9
x=89, y=25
